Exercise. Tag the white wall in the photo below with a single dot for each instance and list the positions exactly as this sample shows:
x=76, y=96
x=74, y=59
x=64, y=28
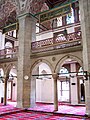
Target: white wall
x=1, y=91
x=44, y=91
x=70, y=30
x=74, y=89
x=44, y=85
x=45, y=35
x=14, y=91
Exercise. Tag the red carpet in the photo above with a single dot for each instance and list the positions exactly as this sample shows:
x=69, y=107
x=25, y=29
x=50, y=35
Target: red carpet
x=12, y=113
x=36, y=116
x=8, y=109
x=64, y=109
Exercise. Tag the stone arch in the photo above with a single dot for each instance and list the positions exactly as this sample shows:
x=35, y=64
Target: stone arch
x=6, y=77
x=1, y=66
x=42, y=61
x=35, y=81
x=8, y=68
x=60, y=62
x=1, y=71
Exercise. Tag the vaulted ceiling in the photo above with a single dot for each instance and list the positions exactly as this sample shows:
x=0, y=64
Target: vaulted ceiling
x=52, y=3
x=9, y=8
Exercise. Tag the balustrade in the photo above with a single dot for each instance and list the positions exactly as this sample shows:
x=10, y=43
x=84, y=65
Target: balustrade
x=9, y=53
x=60, y=42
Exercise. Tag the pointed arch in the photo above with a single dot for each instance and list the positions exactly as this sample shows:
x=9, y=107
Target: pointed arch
x=69, y=56
x=8, y=68
x=42, y=61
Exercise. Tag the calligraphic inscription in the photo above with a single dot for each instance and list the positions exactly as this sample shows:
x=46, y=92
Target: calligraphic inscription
x=10, y=27
x=51, y=14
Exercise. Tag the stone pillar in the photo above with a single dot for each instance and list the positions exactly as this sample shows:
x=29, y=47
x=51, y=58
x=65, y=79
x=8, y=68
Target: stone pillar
x=84, y=6
x=5, y=90
x=33, y=92
x=55, y=76
x=74, y=89
x=26, y=35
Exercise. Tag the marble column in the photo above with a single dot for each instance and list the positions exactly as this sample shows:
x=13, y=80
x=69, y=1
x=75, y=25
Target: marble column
x=55, y=76
x=84, y=6
x=26, y=35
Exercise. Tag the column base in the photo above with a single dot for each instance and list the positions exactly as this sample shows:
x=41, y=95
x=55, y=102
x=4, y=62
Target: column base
x=55, y=108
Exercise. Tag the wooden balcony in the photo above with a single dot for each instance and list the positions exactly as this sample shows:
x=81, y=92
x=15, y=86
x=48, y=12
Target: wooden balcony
x=8, y=54
x=10, y=38
x=61, y=42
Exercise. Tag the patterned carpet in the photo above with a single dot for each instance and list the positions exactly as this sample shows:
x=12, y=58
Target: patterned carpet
x=10, y=112
x=36, y=116
x=64, y=109
x=8, y=109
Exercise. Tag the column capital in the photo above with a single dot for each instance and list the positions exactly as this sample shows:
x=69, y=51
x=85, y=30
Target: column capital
x=25, y=15
x=55, y=76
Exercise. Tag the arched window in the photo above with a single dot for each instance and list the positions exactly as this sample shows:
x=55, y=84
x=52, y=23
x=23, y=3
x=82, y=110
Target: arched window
x=81, y=72
x=37, y=27
x=70, y=17
x=64, y=72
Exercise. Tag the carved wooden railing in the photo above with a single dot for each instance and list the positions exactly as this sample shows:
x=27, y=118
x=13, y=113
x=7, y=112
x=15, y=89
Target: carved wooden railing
x=9, y=53
x=63, y=41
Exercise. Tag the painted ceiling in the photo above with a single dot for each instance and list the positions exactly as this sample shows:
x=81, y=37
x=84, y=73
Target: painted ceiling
x=9, y=9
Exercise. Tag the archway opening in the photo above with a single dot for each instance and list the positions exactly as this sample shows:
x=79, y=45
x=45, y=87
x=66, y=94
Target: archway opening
x=12, y=86
x=71, y=86
x=42, y=81
x=1, y=85
x=63, y=85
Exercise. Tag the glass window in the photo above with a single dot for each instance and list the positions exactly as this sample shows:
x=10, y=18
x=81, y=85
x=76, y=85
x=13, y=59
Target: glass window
x=79, y=16
x=37, y=27
x=59, y=21
x=14, y=33
x=63, y=91
x=64, y=72
x=70, y=17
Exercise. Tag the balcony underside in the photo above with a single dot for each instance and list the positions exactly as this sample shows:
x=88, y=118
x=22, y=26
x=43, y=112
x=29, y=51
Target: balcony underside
x=56, y=52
